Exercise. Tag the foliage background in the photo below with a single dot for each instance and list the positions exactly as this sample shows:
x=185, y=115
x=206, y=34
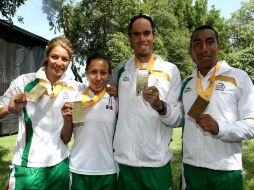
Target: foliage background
x=98, y=25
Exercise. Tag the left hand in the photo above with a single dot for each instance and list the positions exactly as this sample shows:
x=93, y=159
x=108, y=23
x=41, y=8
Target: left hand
x=112, y=91
x=151, y=95
x=208, y=124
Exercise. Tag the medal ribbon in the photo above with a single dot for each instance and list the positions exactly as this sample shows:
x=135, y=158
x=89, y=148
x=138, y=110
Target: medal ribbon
x=206, y=94
x=87, y=101
x=56, y=88
x=150, y=66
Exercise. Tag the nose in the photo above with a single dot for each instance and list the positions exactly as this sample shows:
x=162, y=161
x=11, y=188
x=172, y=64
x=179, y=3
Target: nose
x=98, y=76
x=203, y=48
x=141, y=37
x=59, y=61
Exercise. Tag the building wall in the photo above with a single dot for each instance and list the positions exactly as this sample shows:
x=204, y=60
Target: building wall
x=20, y=52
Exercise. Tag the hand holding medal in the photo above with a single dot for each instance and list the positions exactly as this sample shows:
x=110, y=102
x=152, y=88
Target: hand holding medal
x=208, y=124
x=17, y=102
x=73, y=112
x=67, y=112
x=151, y=95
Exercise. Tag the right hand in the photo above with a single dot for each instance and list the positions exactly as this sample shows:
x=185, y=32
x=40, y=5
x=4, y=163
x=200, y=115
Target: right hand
x=67, y=112
x=17, y=102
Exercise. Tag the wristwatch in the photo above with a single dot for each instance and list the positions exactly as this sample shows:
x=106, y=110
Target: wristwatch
x=163, y=109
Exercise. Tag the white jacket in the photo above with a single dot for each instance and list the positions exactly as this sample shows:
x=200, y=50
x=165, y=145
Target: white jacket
x=142, y=136
x=232, y=106
x=92, y=152
x=39, y=143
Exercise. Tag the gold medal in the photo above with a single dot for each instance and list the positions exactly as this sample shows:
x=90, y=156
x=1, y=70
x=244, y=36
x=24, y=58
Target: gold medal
x=78, y=112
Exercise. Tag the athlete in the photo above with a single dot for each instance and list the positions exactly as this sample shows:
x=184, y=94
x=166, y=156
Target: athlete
x=219, y=115
x=92, y=164
x=41, y=158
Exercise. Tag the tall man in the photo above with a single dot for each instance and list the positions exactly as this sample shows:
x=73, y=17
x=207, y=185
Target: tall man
x=219, y=115
x=148, y=89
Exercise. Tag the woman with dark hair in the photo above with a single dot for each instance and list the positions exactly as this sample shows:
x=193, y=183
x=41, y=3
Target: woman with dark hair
x=92, y=165
x=41, y=158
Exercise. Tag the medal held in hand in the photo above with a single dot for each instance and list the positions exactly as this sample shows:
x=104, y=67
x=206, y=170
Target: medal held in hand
x=142, y=80
x=36, y=92
x=202, y=101
x=78, y=112
x=198, y=107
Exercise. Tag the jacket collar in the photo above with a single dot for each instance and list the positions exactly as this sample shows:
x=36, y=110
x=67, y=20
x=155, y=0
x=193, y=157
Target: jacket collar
x=224, y=67
x=40, y=74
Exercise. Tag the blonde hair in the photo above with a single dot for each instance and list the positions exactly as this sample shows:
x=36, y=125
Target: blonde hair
x=57, y=41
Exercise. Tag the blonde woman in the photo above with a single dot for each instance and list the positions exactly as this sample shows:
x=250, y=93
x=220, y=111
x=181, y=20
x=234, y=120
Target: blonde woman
x=41, y=158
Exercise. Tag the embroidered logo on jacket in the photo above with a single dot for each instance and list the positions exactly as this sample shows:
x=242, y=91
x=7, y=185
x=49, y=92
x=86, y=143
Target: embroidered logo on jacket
x=220, y=87
x=126, y=78
x=188, y=89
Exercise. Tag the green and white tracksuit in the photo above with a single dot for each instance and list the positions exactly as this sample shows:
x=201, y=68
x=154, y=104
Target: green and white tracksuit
x=142, y=135
x=93, y=139
x=232, y=106
x=92, y=151
x=38, y=143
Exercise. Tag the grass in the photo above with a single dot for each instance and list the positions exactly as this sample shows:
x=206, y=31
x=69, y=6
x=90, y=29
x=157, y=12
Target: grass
x=7, y=144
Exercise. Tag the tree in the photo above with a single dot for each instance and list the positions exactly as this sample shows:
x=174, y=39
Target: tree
x=99, y=25
x=241, y=28
x=91, y=25
x=8, y=9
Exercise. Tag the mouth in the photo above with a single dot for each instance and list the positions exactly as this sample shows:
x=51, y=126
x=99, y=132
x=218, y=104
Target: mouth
x=58, y=69
x=98, y=85
x=142, y=46
x=204, y=57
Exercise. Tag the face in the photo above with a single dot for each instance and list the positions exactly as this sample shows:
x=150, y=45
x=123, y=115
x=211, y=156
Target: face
x=142, y=37
x=58, y=61
x=204, y=49
x=97, y=74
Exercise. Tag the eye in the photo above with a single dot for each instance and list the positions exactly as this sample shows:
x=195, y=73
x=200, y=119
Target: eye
x=94, y=72
x=136, y=34
x=196, y=43
x=103, y=73
x=147, y=33
x=210, y=41
x=65, y=59
x=55, y=57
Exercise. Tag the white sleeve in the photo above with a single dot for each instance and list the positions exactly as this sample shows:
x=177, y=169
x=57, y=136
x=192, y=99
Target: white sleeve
x=13, y=89
x=174, y=107
x=235, y=131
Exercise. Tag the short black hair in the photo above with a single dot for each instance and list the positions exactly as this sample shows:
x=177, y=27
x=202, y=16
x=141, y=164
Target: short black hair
x=140, y=15
x=99, y=55
x=205, y=27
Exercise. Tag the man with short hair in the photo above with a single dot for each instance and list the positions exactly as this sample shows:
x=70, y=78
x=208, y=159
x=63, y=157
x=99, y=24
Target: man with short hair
x=148, y=90
x=219, y=115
